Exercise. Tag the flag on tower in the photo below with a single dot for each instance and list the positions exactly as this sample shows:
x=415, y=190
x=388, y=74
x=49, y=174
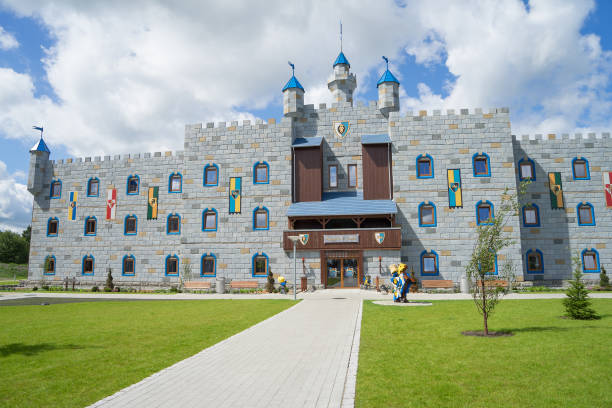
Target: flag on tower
x=607, y=181
x=111, y=203
x=556, y=190
x=72, y=208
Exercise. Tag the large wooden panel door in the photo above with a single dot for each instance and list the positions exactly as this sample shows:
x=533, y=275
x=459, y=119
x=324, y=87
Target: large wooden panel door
x=376, y=172
x=308, y=174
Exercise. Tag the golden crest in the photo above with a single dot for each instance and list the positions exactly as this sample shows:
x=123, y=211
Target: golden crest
x=341, y=128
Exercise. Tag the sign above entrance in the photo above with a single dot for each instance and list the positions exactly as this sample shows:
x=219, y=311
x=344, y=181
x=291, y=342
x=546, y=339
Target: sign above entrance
x=340, y=239
x=380, y=237
x=304, y=239
x=341, y=129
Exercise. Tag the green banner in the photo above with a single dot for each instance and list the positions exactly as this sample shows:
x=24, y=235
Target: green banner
x=152, y=203
x=556, y=190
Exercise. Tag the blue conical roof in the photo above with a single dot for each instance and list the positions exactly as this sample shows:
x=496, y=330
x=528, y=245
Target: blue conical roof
x=293, y=83
x=41, y=146
x=387, y=76
x=341, y=60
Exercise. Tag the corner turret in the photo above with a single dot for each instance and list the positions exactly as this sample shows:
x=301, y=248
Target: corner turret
x=388, y=91
x=342, y=83
x=293, y=96
x=39, y=160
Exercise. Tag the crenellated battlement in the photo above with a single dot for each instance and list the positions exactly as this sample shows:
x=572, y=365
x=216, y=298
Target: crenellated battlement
x=116, y=158
x=552, y=137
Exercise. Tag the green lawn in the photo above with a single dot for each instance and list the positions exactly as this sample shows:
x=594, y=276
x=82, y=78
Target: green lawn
x=417, y=357
x=71, y=355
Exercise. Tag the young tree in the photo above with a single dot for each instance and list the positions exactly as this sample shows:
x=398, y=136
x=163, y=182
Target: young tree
x=604, y=281
x=187, y=274
x=270, y=283
x=577, y=303
x=109, y=282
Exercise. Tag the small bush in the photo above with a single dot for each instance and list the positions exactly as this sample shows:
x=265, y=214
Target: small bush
x=35, y=288
x=117, y=289
x=45, y=287
x=95, y=289
x=604, y=280
x=109, y=282
x=174, y=289
x=270, y=283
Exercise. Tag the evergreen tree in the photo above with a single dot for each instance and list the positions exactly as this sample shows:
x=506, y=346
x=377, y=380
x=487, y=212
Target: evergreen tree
x=577, y=303
x=109, y=282
x=270, y=283
x=604, y=281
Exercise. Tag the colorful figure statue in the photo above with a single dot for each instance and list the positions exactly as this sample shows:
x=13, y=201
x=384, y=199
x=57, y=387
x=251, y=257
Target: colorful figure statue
x=283, y=284
x=401, y=282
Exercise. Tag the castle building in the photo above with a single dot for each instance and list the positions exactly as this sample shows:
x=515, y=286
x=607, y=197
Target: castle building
x=361, y=186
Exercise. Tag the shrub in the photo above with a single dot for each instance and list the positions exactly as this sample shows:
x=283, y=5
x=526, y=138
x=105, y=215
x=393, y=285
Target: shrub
x=577, y=303
x=109, y=282
x=270, y=283
x=604, y=281
x=45, y=287
x=35, y=288
x=95, y=289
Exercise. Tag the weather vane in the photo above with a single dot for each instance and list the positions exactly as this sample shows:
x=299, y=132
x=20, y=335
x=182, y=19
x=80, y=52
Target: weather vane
x=340, y=35
x=38, y=128
x=292, y=68
x=387, y=61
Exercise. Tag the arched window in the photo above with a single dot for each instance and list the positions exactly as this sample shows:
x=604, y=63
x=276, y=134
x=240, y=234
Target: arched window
x=261, y=173
x=535, y=261
x=580, y=169
x=172, y=265
x=482, y=165
x=484, y=213
x=52, y=227
x=211, y=175
x=91, y=225
x=56, y=189
x=526, y=169
x=173, y=224
x=129, y=265
x=261, y=218
x=88, y=265
x=175, y=183
x=260, y=264
x=130, y=225
x=209, y=219
x=427, y=214
x=208, y=265
x=49, y=266
x=133, y=185
x=425, y=166
x=531, y=215
x=93, y=187
x=590, y=261
x=429, y=263
x=586, y=214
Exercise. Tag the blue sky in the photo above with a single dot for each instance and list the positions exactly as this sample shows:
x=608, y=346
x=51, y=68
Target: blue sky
x=117, y=77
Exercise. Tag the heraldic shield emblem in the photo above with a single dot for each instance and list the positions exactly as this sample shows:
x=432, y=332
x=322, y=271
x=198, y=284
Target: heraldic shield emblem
x=380, y=237
x=304, y=239
x=341, y=129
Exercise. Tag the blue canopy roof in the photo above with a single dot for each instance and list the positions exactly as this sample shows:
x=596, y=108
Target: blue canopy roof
x=342, y=203
x=387, y=76
x=375, y=139
x=341, y=60
x=41, y=146
x=293, y=83
x=307, y=142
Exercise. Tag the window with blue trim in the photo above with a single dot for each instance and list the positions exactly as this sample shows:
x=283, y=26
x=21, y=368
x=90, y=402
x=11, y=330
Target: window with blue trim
x=590, y=261
x=175, y=183
x=526, y=169
x=261, y=218
x=174, y=224
x=580, y=169
x=425, y=166
x=482, y=165
x=172, y=265
x=56, y=189
x=93, y=187
x=535, y=261
x=586, y=214
x=261, y=173
x=88, y=265
x=260, y=264
x=427, y=214
x=208, y=265
x=52, y=227
x=209, y=219
x=91, y=224
x=49, y=266
x=131, y=225
x=484, y=213
x=133, y=185
x=211, y=175
x=129, y=265
x=429, y=263
x=490, y=264
x=531, y=215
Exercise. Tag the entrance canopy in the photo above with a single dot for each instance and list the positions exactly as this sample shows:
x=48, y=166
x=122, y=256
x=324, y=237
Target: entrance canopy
x=342, y=203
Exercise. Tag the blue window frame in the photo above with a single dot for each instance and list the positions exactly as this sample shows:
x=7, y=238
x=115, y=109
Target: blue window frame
x=534, y=260
x=429, y=263
x=427, y=214
x=261, y=265
x=580, y=169
x=128, y=266
x=590, y=261
x=485, y=213
x=49, y=265
x=261, y=219
x=173, y=224
x=91, y=226
x=261, y=173
x=211, y=175
x=175, y=183
x=526, y=168
x=425, y=166
x=52, y=227
x=172, y=265
x=130, y=225
x=209, y=219
x=208, y=265
x=481, y=164
x=585, y=214
x=88, y=265
x=132, y=186
x=93, y=187
x=531, y=215
x=55, y=191
x=492, y=271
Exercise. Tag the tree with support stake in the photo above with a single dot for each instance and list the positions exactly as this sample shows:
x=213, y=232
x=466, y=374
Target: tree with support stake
x=577, y=303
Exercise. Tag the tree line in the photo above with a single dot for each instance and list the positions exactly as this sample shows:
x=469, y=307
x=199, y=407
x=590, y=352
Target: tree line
x=15, y=248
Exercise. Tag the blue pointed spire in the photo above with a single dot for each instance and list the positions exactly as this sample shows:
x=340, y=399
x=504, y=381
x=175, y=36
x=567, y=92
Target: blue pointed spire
x=341, y=60
x=41, y=146
x=293, y=83
x=387, y=76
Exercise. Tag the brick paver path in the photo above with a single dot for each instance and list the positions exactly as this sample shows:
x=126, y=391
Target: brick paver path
x=299, y=358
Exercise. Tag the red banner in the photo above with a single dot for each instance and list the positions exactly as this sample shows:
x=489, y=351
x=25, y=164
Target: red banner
x=111, y=203
x=607, y=181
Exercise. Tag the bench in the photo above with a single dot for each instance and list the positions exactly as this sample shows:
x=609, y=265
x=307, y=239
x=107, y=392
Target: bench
x=194, y=285
x=244, y=285
x=437, y=284
x=497, y=282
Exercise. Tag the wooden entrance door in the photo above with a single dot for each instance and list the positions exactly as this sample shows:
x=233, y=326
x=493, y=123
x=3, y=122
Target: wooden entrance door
x=342, y=272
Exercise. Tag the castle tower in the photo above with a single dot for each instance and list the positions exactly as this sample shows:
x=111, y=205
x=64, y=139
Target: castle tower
x=293, y=96
x=388, y=91
x=342, y=83
x=39, y=158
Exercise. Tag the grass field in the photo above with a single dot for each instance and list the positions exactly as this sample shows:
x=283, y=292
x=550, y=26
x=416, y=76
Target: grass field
x=71, y=355
x=417, y=357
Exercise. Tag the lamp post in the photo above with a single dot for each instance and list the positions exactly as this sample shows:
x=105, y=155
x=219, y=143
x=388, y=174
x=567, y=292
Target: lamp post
x=294, y=239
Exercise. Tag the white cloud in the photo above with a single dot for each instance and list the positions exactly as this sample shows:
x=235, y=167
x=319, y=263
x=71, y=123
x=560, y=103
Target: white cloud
x=7, y=40
x=15, y=201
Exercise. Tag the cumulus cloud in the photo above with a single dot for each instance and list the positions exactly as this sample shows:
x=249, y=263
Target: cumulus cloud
x=15, y=201
x=7, y=40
